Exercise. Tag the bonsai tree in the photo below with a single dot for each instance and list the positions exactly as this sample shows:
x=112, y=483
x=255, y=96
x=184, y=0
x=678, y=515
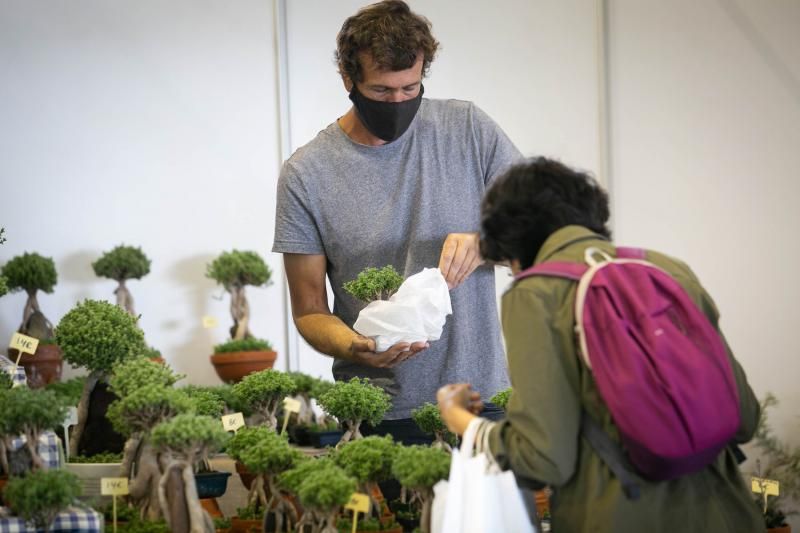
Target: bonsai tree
x=206, y=400
x=32, y=273
x=262, y=392
x=501, y=398
x=121, y=264
x=28, y=413
x=40, y=496
x=369, y=462
x=374, y=284
x=266, y=454
x=353, y=402
x=430, y=421
x=183, y=441
x=419, y=468
x=95, y=335
x=323, y=492
x=782, y=463
x=304, y=386
x=234, y=271
x=145, y=399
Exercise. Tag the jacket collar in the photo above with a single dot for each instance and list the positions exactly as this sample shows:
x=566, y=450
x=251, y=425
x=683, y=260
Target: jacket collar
x=563, y=237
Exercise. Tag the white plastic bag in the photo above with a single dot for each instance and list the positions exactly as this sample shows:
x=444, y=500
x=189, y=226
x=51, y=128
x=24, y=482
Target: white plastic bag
x=479, y=497
x=415, y=313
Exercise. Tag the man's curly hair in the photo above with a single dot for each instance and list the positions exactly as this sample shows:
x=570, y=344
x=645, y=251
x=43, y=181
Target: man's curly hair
x=391, y=33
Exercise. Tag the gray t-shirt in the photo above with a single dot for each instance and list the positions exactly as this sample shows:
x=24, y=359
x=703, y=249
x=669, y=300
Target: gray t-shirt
x=394, y=204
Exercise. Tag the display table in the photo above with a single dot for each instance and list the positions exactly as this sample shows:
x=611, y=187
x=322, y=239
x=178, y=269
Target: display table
x=49, y=448
x=73, y=519
x=17, y=372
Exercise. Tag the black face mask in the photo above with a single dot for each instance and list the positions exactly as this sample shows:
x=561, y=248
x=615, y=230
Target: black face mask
x=386, y=120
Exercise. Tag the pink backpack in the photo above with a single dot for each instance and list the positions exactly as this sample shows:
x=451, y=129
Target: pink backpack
x=660, y=365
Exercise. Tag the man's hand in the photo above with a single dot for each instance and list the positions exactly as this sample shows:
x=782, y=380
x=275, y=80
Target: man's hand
x=363, y=351
x=459, y=258
x=458, y=404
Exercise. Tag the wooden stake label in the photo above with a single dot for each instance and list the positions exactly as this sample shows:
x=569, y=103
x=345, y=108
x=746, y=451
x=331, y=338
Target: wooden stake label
x=290, y=405
x=358, y=502
x=770, y=487
x=233, y=422
x=210, y=322
x=113, y=486
x=23, y=343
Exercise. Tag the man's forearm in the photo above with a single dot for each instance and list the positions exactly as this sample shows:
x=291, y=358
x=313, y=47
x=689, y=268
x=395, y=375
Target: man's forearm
x=327, y=334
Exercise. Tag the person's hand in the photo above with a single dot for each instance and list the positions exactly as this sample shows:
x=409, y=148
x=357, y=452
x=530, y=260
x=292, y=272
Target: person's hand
x=459, y=258
x=458, y=404
x=363, y=351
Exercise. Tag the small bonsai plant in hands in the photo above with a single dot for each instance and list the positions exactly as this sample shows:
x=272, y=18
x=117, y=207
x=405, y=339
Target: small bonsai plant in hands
x=32, y=273
x=262, y=392
x=501, y=398
x=353, y=402
x=40, y=496
x=374, y=284
x=121, y=264
x=419, y=468
x=429, y=420
x=369, y=461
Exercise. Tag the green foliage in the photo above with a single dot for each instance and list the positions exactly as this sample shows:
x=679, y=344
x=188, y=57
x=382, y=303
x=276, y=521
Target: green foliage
x=40, y=496
x=105, y=457
x=271, y=454
x=291, y=479
x=27, y=409
x=356, y=400
x=130, y=375
x=244, y=345
x=221, y=522
x=152, y=353
x=501, y=398
x=31, y=273
x=374, y=284
x=187, y=431
x=251, y=512
x=368, y=459
x=137, y=525
x=258, y=389
x=121, y=263
x=141, y=409
x=345, y=525
x=320, y=387
x=326, y=489
x=97, y=334
x=237, y=269
x=245, y=438
x=206, y=401
x=420, y=467
x=303, y=382
x=428, y=418
x=6, y=382
x=68, y=392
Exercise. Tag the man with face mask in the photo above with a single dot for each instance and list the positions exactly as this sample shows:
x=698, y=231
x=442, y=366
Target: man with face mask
x=397, y=180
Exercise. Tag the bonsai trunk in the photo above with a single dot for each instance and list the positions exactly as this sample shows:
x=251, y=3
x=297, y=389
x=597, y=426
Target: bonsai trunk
x=32, y=442
x=129, y=453
x=31, y=306
x=330, y=522
x=427, y=502
x=257, y=497
x=371, y=488
x=440, y=442
x=124, y=298
x=240, y=312
x=199, y=520
x=4, y=455
x=352, y=432
x=144, y=488
x=179, y=501
x=83, y=413
x=305, y=416
x=280, y=506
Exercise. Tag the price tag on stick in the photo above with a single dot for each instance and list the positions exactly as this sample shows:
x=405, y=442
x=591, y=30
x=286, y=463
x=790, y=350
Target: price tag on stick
x=114, y=486
x=767, y=487
x=233, y=422
x=209, y=322
x=70, y=420
x=290, y=405
x=359, y=503
x=23, y=344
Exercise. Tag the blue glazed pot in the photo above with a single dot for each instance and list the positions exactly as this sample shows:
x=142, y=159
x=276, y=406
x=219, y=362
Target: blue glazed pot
x=211, y=484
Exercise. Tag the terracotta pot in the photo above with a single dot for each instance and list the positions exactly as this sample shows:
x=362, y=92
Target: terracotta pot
x=246, y=526
x=211, y=507
x=41, y=368
x=231, y=367
x=542, y=501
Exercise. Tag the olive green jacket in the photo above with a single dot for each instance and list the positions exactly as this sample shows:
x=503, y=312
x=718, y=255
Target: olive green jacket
x=541, y=439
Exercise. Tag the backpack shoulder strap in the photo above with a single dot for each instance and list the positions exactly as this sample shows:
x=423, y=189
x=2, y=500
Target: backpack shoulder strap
x=557, y=269
x=628, y=252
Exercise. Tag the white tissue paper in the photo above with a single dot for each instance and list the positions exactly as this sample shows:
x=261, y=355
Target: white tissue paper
x=415, y=313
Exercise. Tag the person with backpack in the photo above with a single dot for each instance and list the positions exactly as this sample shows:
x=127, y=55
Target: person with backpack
x=627, y=401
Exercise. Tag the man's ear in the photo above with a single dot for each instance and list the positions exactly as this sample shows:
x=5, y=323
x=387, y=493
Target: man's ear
x=348, y=83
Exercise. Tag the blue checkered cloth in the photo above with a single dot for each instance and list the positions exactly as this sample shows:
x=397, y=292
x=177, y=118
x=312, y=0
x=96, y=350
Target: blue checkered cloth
x=17, y=372
x=73, y=519
x=49, y=448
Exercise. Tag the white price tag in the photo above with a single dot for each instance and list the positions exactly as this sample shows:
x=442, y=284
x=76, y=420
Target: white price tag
x=233, y=422
x=113, y=486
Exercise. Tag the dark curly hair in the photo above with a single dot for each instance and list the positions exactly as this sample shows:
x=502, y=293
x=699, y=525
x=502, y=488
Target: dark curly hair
x=531, y=201
x=391, y=33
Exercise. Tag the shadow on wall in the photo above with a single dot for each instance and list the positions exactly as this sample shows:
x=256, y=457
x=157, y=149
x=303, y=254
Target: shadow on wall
x=199, y=293
x=76, y=268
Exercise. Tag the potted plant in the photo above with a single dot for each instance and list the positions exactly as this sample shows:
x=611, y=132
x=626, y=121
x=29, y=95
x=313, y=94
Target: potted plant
x=501, y=398
x=183, y=441
x=40, y=496
x=262, y=392
x=145, y=399
x=419, y=468
x=266, y=455
x=781, y=463
x=121, y=264
x=322, y=493
x=234, y=271
x=374, y=284
x=27, y=413
x=369, y=462
x=95, y=335
x=353, y=402
x=429, y=420
x=33, y=273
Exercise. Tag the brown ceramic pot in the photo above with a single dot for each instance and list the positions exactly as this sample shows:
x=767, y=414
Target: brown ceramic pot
x=246, y=526
x=231, y=367
x=41, y=368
